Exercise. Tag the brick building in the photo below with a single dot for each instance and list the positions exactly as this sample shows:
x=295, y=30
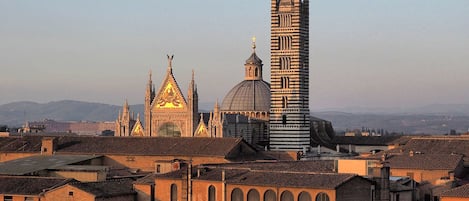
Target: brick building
x=257, y=181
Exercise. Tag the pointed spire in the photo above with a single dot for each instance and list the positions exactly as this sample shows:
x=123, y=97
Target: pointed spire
x=126, y=106
x=138, y=116
x=217, y=107
x=149, y=76
x=170, y=63
x=202, y=117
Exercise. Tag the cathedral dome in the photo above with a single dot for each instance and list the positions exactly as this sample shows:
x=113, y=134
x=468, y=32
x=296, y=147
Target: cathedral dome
x=248, y=95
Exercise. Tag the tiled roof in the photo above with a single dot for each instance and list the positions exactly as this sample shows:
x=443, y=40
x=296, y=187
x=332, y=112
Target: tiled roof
x=32, y=164
x=323, y=166
x=461, y=191
x=425, y=161
x=277, y=178
x=149, y=179
x=108, y=188
x=436, y=145
x=126, y=145
x=28, y=185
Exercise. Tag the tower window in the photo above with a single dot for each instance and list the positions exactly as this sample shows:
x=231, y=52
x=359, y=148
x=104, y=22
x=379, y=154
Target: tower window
x=285, y=82
x=284, y=20
x=285, y=42
x=285, y=63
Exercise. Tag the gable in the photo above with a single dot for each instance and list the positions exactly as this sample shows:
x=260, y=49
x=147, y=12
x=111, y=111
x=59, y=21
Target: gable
x=169, y=95
x=202, y=130
x=137, y=130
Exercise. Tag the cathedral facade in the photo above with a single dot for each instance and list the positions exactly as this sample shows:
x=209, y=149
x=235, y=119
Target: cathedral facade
x=168, y=113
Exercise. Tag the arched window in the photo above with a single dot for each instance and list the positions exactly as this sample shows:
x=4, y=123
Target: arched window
x=169, y=130
x=286, y=196
x=174, y=192
x=304, y=196
x=256, y=72
x=322, y=197
x=211, y=193
x=253, y=195
x=270, y=195
x=237, y=195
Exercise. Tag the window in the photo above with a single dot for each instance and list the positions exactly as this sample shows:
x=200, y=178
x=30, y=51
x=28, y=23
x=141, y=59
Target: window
x=304, y=196
x=174, y=192
x=253, y=195
x=285, y=82
x=211, y=193
x=237, y=195
x=158, y=168
x=45, y=150
x=284, y=119
x=286, y=196
x=322, y=197
x=270, y=195
x=70, y=193
x=285, y=42
x=28, y=199
x=285, y=63
x=284, y=20
x=8, y=198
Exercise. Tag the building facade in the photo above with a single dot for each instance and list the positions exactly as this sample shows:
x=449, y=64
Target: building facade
x=289, y=112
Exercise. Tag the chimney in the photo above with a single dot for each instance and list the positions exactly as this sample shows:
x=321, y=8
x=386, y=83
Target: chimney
x=48, y=146
x=384, y=183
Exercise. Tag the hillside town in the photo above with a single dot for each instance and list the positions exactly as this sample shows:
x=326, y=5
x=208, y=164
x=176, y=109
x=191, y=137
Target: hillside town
x=261, y=142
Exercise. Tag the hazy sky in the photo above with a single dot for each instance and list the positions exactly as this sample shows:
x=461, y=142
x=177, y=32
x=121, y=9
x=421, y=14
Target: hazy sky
x=367, y=53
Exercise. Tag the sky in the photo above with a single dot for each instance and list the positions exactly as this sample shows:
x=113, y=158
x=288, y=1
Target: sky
x=363, y=53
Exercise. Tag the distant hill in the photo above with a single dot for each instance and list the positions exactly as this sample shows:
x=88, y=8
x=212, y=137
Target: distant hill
x=14, y=114
x=432, y=119
x=399, y=123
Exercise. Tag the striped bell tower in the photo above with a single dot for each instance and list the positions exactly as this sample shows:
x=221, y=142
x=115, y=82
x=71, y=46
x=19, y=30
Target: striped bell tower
x=289, y=107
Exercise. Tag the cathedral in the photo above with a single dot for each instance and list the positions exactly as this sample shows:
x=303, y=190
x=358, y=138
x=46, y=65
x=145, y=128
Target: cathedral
x=168, y=113
x=274, y=116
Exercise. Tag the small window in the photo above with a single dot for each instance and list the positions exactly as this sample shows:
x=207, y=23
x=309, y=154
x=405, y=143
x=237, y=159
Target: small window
x=70, y=193
x=158, y=168
x=45, y=150
x=8, y=198
x=284, y=119
x=174, y=192
x=211, y=193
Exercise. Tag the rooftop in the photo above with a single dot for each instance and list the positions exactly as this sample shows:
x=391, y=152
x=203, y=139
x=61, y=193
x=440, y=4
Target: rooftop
x=10, y=185
x=177, y=146
x=33, y=164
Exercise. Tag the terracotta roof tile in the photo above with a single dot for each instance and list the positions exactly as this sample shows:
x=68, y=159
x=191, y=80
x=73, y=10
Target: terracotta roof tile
x=28, y=185
x=126, y=145
x=425, y=161
x=108, y=188
x=461, y=191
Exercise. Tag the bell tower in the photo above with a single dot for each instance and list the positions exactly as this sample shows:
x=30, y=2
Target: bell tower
x=289, y=108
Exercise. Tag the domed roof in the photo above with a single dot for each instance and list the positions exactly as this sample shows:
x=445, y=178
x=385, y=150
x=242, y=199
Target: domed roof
x=248, y=95
x=254, y=59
